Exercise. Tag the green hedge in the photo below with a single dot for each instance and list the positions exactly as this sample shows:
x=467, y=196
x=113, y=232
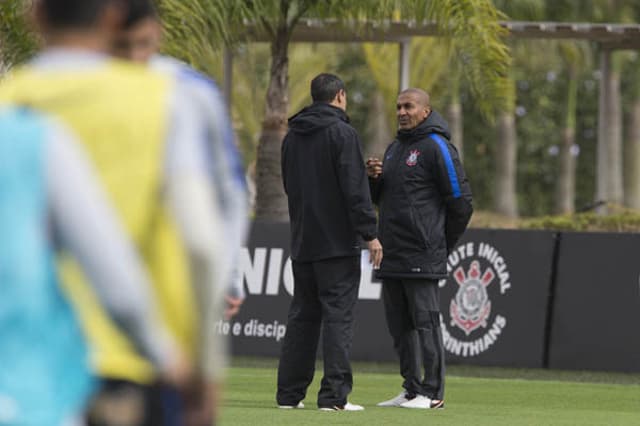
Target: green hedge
x=620, y=220
x=628, y=221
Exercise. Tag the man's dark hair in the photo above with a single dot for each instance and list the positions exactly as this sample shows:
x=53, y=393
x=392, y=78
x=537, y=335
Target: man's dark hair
x=138, y=11
x=325, y=87
x=70, y=14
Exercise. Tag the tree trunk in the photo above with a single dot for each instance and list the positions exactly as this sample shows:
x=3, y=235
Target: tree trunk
x=505, y=201
x=378, y=129
x=566, y=184
x=565, y=189
x=609, y=168
x=454, y=116
x=632, y=158
x=602, y=164
x=614, y=154
x=271, y=201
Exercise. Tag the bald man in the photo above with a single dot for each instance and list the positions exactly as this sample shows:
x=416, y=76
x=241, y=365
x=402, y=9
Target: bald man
x=425, y=205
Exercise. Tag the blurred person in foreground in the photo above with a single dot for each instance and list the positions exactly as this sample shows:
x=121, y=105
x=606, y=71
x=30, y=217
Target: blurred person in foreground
x=154, y=162
x=48, y=192
x=330, y=209
x=140, y=41
x=425, y=205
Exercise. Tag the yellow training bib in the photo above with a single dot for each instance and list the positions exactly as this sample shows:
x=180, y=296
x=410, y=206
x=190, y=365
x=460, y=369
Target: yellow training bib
x=119, y=112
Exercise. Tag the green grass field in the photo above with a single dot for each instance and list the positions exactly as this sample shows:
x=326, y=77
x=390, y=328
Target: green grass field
x=474, y=396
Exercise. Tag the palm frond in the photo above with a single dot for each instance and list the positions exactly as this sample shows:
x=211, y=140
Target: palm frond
x=17, y=42
x=478, y=40
x=529, y=10
x=473, y=25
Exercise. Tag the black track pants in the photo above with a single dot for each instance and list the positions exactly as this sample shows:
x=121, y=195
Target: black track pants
x=325, y=293
x=413, y=317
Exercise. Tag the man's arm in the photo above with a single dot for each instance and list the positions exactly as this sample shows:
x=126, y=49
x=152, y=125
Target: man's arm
x=233, y=194
x=228, y=178
x=353, y=181
x=193, y=201
x=283, y=162
x=374, y=172
x=454, y=187
x=223, y=164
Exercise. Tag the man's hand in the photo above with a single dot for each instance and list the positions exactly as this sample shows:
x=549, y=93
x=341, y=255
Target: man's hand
x=179, y=372
x=233, y=306
x=375, y=252
x=202, y=403
x=374, y=168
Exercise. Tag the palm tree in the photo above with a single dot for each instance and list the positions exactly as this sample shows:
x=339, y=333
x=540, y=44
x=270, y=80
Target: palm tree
x=199, y=22
x=632, y=143
x=632, y=151
x=609, y=185
x=454, y=108
x=505, y=201
x=378, y=132
x=610, y=177
x=250, y=77
x=574, y=59
x=305, y=61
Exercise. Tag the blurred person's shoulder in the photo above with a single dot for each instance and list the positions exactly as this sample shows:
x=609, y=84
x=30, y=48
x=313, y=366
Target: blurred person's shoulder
x=187, y=79
x=135, y=77
x=51, y=76
x=181, y=70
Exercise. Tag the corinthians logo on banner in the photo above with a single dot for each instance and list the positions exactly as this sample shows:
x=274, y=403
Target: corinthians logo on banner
x=478, y=276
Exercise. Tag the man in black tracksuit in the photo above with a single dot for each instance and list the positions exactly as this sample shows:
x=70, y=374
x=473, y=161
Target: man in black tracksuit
x=330, y=209
x=425, y=205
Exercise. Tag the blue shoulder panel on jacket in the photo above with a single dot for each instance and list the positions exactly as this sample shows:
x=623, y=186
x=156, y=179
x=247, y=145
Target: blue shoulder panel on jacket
x=451, y=170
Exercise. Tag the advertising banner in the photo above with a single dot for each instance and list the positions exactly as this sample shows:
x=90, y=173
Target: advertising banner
x=494, y=304
x=597, y=303
x=265, y=269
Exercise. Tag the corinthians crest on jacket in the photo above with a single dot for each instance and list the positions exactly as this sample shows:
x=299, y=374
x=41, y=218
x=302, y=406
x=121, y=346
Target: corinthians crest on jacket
x=412, y=159
x=479, y=273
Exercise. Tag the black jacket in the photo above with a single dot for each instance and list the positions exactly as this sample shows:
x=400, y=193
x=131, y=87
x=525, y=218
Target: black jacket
x=424, y=199
x=326, y=182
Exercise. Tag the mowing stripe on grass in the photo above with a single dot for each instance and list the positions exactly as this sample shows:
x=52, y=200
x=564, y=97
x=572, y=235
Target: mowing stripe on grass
x=250, y=400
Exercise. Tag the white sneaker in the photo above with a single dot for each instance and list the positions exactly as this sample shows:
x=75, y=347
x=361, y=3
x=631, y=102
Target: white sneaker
x=346, y=407
x=396, y=401
x=423, y=402
x=291, y=407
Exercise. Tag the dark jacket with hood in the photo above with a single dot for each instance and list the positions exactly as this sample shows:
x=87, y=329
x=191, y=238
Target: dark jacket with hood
x=424, y=199
x=326, y=183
